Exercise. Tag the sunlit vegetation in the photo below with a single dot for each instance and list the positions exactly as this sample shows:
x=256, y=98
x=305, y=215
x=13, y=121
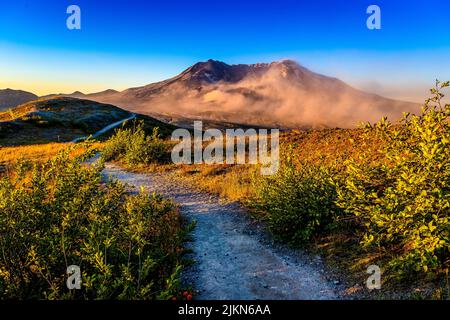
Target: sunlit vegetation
x=60, y=212
x=133, y=146
x=402, y=201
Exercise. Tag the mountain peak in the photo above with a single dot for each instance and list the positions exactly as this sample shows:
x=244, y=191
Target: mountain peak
x=215, y=61
x=285, y=63
x=288, y=62
x=210, y=64
x=213, y=71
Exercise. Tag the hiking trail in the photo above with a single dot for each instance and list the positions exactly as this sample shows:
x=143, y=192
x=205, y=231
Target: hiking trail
x=235, y=259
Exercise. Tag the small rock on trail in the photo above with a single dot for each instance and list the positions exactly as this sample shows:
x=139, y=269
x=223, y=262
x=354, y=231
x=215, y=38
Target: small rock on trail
x=233, y=259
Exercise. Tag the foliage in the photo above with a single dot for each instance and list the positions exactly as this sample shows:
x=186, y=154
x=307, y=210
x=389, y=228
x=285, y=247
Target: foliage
x=299, y=199
x=61, y=213
x=403, y=199
x=133, y=146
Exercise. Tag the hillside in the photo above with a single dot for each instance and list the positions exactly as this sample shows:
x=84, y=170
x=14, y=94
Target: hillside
x=62, y=119
x=282, y=94
x=10, y=98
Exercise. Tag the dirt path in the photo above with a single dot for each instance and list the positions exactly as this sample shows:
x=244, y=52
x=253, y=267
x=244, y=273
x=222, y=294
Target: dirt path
x=105, y=129
x=234, y=258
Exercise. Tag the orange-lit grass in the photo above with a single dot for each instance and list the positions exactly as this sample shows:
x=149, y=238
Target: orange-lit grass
x=37, y=152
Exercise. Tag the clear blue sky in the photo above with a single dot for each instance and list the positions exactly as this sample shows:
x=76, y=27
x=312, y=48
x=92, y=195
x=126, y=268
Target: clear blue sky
x=130, y=43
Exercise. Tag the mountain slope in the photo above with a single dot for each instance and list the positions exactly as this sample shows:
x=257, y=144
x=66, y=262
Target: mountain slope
x=62, y=119
x=282, y=94
x=10, y=98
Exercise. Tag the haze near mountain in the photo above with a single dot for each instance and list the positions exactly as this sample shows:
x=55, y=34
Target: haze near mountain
x=283, y=94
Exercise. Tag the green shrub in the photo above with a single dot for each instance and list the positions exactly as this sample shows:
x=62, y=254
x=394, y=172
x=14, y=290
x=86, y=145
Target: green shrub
x=61, y=213
x=403, y=198
x=133, y=146
x=299, y=200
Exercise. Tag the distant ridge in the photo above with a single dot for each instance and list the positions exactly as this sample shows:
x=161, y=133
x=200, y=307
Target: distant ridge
x=10, y=98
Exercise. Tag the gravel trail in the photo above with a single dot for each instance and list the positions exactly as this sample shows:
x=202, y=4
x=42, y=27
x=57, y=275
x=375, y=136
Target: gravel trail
x=235, y=258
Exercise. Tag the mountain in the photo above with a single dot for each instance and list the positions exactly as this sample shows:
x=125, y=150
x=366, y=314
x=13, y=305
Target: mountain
x=63, y=119
x=281, y=93
x=10, y=98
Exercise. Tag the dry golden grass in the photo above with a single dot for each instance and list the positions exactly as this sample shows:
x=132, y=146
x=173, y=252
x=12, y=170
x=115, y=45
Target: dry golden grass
x=35, y=153
x=230, y=182
x=233, y=182
x=39, y=152
x=15, y=113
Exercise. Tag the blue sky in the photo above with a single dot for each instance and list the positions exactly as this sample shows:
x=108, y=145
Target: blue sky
x=131, y=43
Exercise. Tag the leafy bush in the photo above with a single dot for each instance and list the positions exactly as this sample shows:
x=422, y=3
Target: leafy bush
x=133, y=146
x=299, y=200
x=60, y=213
x=403, y=198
